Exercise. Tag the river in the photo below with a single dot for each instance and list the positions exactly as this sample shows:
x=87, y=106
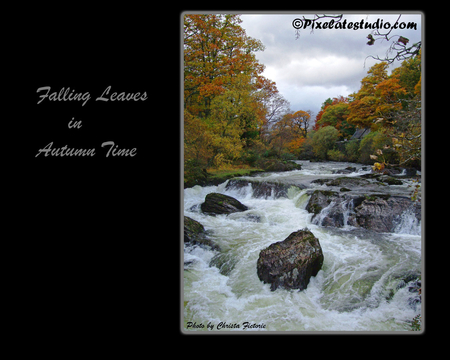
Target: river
x=364, y=284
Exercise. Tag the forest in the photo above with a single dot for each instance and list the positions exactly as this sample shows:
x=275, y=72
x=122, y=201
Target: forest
x=235, y=118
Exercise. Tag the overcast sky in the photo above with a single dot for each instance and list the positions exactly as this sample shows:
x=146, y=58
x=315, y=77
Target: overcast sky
x=325, y=64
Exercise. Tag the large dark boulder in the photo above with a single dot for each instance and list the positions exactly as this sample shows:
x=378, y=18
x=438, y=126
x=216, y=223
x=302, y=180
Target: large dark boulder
x=291, y=263
x=216, y=203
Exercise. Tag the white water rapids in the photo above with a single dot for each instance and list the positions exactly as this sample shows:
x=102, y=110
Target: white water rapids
x=364, y=284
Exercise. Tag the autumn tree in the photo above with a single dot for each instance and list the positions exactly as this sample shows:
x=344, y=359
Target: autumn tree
x=388, y=104
x=226, y=99
x=282, y=133
x=335, y=113
x=216, y=51
x=302, y=122
x=391, y=106
x=403, y=124
x=363, y=107
x=289, y=132
x=323, y=141
x=197, y=147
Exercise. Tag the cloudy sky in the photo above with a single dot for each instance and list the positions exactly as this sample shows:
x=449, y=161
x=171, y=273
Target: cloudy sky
x=324, y=64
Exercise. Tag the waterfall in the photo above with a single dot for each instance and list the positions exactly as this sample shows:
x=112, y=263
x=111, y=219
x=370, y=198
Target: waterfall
x=408, y=223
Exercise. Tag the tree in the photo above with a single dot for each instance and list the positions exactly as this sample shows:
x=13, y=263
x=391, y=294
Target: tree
x=402, y=120
x=389, y=105
x=324, y=140
x=301, y=122
x=216, y=51
x=275, y=105
x=378, y=96
x=282, y=134
x=197, y=147
x=290, y=131
x=227, y=102
x=271, y=106
x=334, y=113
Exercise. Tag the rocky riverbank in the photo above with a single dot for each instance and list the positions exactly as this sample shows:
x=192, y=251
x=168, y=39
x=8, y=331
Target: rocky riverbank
x=360, y=203
x=205, y=178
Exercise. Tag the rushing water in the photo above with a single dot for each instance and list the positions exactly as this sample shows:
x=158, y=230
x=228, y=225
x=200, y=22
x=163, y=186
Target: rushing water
x=364, y=285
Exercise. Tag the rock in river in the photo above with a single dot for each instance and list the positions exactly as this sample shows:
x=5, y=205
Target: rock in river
x=194, y=233
x=216, y=203
x=291, y=263
x=377, y=212
x=383, y=214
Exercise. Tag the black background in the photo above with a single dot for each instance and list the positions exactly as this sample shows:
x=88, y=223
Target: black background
x=90, y=224
x=98, y=238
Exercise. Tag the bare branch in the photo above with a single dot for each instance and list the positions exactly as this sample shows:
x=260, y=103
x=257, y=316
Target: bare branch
x=385, y=36
x=398, y=50
x=317, y=17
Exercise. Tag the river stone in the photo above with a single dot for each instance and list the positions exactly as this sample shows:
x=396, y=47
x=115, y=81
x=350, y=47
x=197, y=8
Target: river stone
x=349, y=182
x=376, y=212
x=194, y=233
x=382, y=213
x=216, y=203
x=320, y=199
x=291, y=263
x=192, y=229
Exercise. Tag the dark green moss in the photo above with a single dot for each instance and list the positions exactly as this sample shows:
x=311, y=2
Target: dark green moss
x=327, y=193
x=390, y=180
x=316, y=208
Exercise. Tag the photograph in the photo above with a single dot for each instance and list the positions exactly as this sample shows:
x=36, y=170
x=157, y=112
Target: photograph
x=302, y=172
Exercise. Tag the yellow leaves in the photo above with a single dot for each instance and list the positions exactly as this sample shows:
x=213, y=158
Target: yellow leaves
x=378, y=97
x=390, y=88
x=295, y=145
x=216, y=52
x=396, y=142
x=219, y=160
x=418, y=87
x=197, y=140
x=378, y=166
x=416, y=192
